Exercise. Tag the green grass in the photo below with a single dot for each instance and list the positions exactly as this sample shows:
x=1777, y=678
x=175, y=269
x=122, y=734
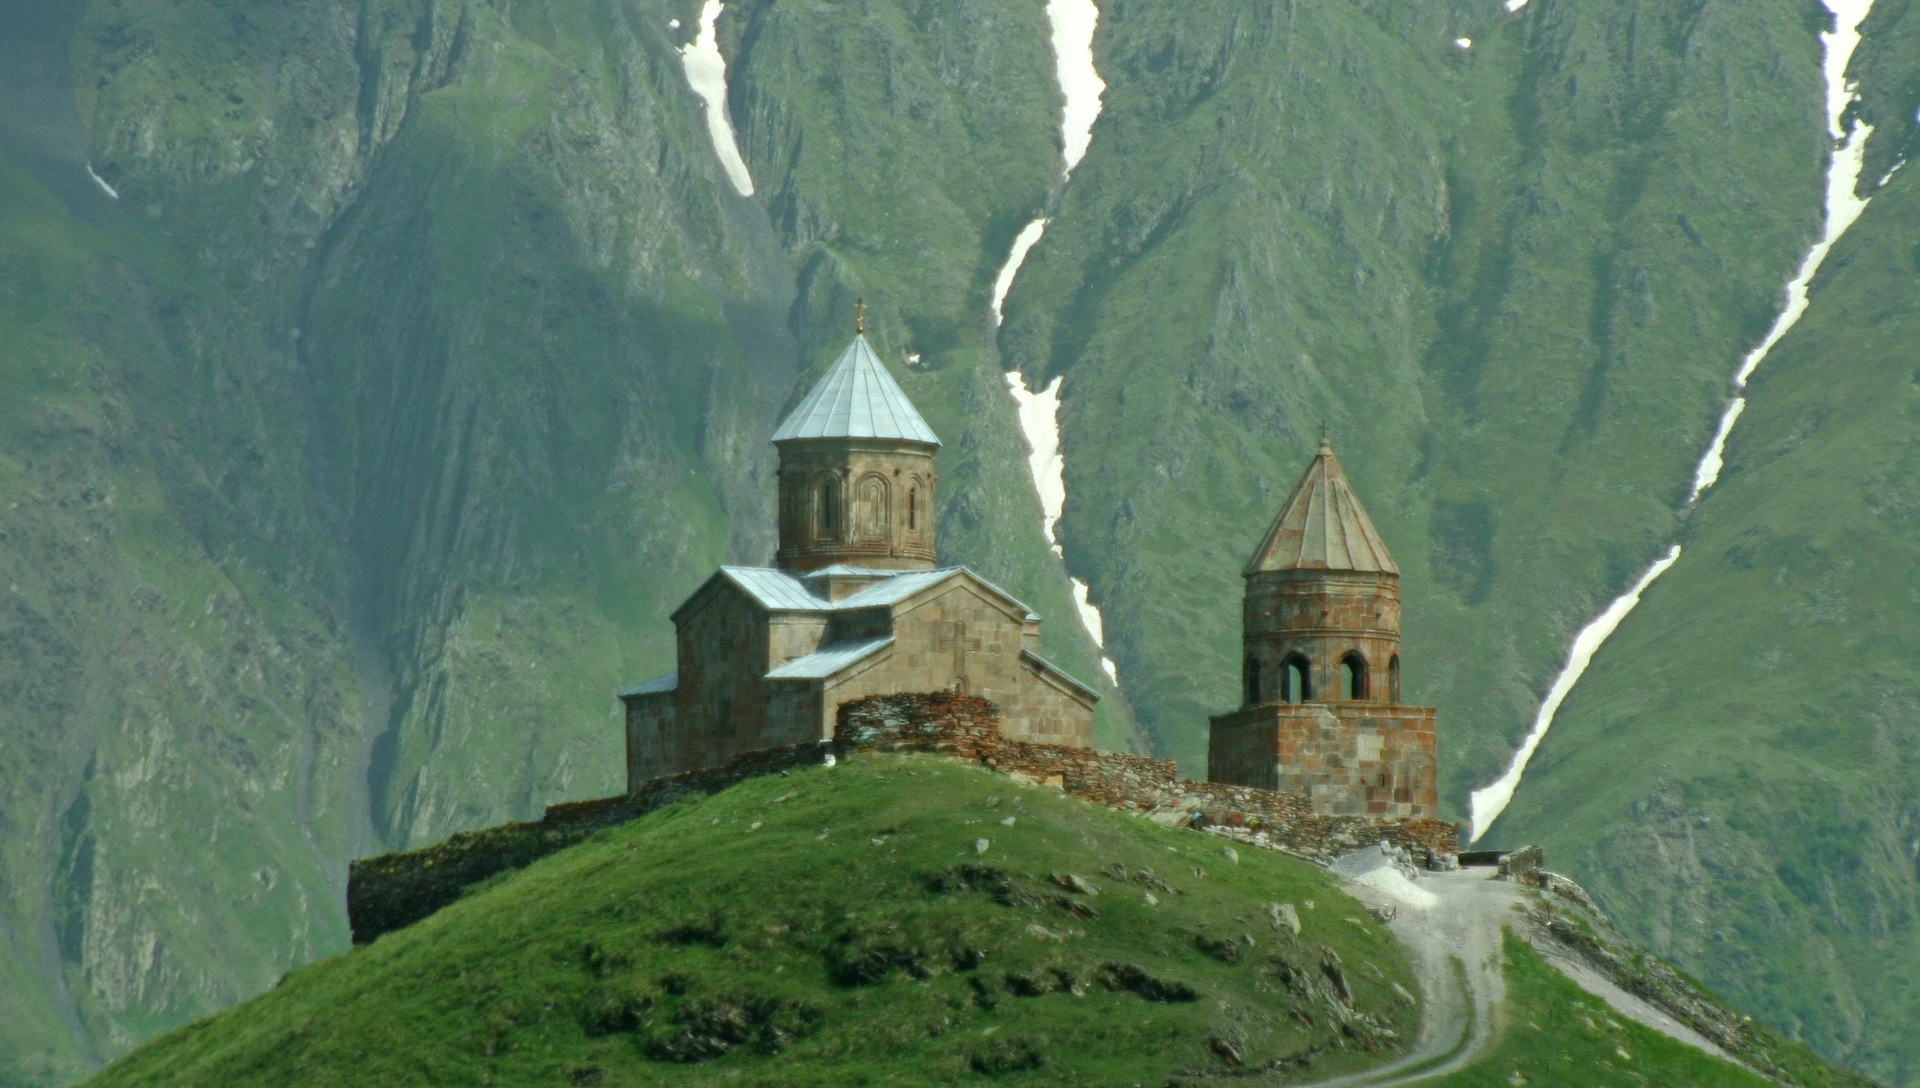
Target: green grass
x=830, y=927
x=1555, y=1033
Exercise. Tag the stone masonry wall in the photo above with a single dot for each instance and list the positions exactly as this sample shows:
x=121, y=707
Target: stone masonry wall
x=1352, y=759
x=969, y=728
x=395, y=890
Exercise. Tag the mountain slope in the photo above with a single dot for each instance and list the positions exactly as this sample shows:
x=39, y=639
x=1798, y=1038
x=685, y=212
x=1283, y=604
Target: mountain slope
x=1511, y=279
x=361, y=425
x=1754, y=723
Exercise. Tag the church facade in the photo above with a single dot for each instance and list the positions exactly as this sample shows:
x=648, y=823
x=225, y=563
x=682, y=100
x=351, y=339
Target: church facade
x=1321, y=709
x=854, y=606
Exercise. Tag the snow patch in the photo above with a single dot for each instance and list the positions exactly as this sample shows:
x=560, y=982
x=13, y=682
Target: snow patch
x=707, y=75
x=1073, y=23
x=1463, y=44
x=1516, y=5
x=1488, y=803
x=1040, y=422
x=1393, y=883
x=102, y=183
x=1003, y=283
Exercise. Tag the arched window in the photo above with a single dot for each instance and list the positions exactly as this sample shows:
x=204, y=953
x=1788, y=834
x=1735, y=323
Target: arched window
x=1252, y=675
x=913, y=510
x=828, y=518
x=873, y=520
x=1296, y=679
x=1353, y=676
x=1393, y=679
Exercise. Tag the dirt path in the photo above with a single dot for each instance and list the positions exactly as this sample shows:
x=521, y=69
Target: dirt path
x=1456, y=949
x=1455, y=945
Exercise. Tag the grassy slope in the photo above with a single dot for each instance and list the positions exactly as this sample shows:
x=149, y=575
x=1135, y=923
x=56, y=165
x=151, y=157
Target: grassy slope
x=1770, y=845
x=1557, y=1033
x=1479, y=268
x=599, y=958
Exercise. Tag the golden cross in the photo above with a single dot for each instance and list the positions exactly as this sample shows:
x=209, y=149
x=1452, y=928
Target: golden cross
x=859, y=317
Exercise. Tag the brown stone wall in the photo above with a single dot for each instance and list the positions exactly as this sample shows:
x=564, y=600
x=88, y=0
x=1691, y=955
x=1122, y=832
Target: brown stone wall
x=1143, y=784
x=875, y=523
x=724, y=651
x=1352, y=759
x=1323, y=615
x=394, y=890
x=965, y=726
x=653, y=742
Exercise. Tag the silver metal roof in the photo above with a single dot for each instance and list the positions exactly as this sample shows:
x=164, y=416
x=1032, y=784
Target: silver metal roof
x=778, y=591
x=830, y=659
x=1046, y=666
x=856, y=398
x=656, y=686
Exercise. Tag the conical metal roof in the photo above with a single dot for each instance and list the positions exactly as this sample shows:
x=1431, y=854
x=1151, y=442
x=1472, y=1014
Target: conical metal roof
x=1322, y=527
x=856, y=398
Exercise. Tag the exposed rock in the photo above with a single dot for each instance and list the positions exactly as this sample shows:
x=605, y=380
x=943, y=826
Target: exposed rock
x=1074, y=883
x=1284, y=917
x=1132, y=978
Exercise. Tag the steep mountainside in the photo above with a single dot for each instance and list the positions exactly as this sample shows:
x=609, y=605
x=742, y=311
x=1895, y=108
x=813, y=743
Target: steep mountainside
x=1738, y=776
x=406, y=364
x=402, y=363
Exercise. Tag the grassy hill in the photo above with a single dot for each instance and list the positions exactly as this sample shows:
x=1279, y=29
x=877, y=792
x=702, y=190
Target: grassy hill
x=894, y=920
x=835, y=927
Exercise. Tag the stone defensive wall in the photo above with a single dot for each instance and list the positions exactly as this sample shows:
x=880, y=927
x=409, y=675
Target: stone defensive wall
x=968, y=727
x=396, y=890
x=393, y=891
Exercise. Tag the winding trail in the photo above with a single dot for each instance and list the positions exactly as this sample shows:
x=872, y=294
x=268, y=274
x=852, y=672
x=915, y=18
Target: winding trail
x=1842, y=207
x=1456, y=946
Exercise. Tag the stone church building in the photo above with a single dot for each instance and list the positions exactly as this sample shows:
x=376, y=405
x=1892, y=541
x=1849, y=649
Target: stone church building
x=1320, y=631
x=854, y=605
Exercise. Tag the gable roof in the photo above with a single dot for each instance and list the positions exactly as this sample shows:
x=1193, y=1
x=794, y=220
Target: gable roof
x=856, y=398
x=659, y=685
x=827, y=660
x=1322, y=527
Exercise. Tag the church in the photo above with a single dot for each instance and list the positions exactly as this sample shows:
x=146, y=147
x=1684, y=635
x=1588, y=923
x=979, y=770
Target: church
x=854, y=605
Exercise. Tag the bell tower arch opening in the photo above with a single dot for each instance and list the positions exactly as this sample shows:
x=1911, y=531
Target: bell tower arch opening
x=1353, y=677
x=1296, y=679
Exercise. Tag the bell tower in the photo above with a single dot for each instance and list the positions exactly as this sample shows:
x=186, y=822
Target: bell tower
x=856, y=472
x=1320, y=703
x=1321, y=618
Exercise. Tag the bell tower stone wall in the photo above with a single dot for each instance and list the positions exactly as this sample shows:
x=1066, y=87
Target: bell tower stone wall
x=1322, y=618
